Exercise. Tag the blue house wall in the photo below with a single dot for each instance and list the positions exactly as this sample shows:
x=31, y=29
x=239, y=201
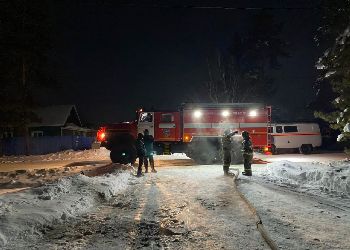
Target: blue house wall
x=44, y=144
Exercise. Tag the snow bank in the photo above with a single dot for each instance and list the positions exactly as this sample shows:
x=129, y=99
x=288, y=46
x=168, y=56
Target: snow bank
x=175, y=156
x=91, y=154
x=333, y=178
x=23, y=214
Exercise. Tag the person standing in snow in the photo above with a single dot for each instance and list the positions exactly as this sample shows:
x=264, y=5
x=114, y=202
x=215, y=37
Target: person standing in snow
x=148, y=139
x=141, y=153
x=247, y=150
x=226, y=149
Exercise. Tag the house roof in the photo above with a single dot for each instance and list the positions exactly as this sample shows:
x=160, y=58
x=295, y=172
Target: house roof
x=54, y=115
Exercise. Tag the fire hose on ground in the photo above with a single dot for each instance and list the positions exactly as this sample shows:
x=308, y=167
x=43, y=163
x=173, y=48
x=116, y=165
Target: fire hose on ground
x=256, y=216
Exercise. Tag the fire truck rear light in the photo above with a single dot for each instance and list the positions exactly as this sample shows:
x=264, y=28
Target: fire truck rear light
x=266, y=149
x=187, y=138
x=102, y=135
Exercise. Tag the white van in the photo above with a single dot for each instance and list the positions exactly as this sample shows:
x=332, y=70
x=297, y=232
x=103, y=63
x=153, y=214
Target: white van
x=302, y=136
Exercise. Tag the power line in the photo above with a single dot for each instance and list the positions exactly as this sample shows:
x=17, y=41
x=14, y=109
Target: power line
x=163, y=5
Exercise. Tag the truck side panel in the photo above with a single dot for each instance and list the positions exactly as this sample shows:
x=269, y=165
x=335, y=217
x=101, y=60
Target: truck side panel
x=212, y=122
x=167, y=127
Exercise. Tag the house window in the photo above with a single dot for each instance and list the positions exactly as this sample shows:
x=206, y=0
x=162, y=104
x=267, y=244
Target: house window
x=77, y=133
x=167, y=118
x=290, y=129
x=37, y=133
x=7, y=134
x=279, y=129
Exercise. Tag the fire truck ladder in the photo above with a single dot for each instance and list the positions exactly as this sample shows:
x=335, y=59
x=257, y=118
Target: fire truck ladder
x=269, y=119
x=166, y=149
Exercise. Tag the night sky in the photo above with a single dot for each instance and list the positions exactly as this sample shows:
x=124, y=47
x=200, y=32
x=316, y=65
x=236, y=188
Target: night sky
x=111, y=58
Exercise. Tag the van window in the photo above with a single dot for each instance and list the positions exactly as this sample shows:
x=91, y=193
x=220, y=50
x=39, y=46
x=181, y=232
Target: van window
x=37, y=133
x=290, y=129
x=167, y=118
x=279, y=129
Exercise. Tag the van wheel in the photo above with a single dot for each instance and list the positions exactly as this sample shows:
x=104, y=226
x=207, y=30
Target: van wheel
x=305, y=149
x=274, y=149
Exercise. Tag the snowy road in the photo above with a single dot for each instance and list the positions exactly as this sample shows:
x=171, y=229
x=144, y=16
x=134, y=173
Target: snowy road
x=177, y=208
x=298, y=220
x=303, y=200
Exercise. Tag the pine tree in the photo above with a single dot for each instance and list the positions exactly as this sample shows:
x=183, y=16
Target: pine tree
x=334, y=65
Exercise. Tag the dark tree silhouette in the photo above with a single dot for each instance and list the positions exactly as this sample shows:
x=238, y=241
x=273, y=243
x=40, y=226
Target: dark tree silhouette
x=334, y=66
x=241, y=73
x=25, y=41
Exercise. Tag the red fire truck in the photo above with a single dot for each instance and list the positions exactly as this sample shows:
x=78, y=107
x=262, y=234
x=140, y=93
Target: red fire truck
x=196, y=128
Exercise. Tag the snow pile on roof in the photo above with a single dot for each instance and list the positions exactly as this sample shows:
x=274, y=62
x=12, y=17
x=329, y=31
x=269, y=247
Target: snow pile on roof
x=91, y=154
x=23, y=214
x=54, y=115
x=175, y=156
x=333, y=178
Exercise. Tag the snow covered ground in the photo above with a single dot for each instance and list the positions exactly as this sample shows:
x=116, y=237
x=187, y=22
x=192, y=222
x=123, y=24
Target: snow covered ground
x=175, y=156
x=92, y=154
x=304, y=205
x=24, y=214
x=332, y=179
x=304, y=201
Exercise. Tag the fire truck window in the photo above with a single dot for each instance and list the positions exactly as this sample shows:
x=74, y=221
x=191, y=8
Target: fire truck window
x=270, y=129
x=290, y=129
x=167, y=118
x=146, y=117
x=279, y=129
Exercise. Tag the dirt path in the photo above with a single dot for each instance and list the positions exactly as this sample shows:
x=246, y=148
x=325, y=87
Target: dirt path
x=177, y=208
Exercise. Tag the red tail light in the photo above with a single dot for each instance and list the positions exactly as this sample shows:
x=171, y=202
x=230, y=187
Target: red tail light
x=101, y=134
x=267, y=150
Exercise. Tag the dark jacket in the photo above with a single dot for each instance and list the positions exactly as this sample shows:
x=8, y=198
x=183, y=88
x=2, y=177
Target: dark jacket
x=148, y=139
x=247, y=147
x=226, y=143
x=140, y=147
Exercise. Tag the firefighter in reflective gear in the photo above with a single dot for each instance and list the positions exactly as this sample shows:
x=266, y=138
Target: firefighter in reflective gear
x=226, y=149
x=141, y=152
x=148, y=139
x=247, y=149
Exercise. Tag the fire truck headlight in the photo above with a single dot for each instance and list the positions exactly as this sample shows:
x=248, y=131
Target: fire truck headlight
x=253, y=113
x=225, y=113
x=197, y=113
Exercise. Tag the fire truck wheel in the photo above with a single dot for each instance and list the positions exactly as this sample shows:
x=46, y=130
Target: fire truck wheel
x=305, y=149
x=123, y=155
x=274, y=149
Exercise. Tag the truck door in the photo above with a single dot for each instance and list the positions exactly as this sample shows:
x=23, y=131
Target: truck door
x=146, y=121
x=167, y=128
